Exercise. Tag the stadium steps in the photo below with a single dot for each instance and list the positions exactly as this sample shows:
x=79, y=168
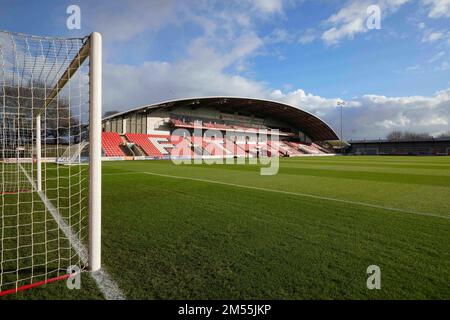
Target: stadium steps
x=238, y=149
x=197, y=146
x=298, y=147
x=320, y=148
x=137, y=150
x=216, y=147
x=292, y=149
x=143, y=142
x=128, y=152
x=130, y=149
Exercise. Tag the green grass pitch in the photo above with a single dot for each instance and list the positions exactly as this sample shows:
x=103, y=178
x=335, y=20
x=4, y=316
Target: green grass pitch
x=309, y=232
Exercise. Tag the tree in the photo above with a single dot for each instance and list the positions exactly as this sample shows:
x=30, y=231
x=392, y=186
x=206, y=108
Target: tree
x=23, y=102
x=394, y=136
x=397, y=135
x=445, y=135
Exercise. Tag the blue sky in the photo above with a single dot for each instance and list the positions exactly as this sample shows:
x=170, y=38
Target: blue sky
x=310, y=54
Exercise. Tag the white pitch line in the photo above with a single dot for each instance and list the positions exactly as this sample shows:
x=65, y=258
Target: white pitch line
x=106, y=285
x=306, y=195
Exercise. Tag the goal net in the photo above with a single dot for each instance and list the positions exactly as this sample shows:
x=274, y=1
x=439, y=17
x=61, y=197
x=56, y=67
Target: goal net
x=15, y=132
x=49, y=103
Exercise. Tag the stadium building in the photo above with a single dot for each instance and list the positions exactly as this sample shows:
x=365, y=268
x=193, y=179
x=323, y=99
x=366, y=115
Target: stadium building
x=426, y=147
x=151, y=131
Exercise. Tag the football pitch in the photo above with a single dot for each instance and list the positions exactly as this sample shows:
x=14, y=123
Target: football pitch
x=309, y=232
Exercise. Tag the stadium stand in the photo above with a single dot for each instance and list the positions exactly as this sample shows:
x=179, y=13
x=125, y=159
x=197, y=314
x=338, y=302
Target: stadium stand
x=305, y=148
x=214, y=146
x=437, y=147
x=283, y=148
x=208, y=124
x=197, y=145
x=160, y=146
x=148, y=131
x=237, y=149
x=111, y=142
x=183, y=147
x=153, y=146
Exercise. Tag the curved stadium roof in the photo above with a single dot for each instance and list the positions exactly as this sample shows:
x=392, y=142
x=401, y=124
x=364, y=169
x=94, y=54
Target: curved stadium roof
x=310, y=124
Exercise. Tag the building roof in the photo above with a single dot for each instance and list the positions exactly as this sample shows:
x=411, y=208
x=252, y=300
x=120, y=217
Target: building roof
x=385, y=141
x=308, y=123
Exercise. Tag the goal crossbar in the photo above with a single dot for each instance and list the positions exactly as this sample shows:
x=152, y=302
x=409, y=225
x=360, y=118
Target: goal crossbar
x=70, y=71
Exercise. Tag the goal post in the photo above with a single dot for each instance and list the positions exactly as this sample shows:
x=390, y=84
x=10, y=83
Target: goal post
x=50, y=102
x=95, y=150
x=38, y=153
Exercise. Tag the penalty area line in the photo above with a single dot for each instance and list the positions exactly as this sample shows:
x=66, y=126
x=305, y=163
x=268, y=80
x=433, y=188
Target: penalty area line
x=299, y=194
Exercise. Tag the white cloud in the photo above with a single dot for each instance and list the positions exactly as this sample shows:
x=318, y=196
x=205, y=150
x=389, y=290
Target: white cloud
x=445, y=65
x=346, y=22
x=401, y=121
x=433, y=36
x=441, y=37
x=278, y=36
x=351, y=19
x=437, y=57
x=310, y=101
x=210, y=65
x=127, y=86
x=438, y=8
x=373, y=116
x=348, y=30
x=308, y=36
x=268, y=6
x=413, y=68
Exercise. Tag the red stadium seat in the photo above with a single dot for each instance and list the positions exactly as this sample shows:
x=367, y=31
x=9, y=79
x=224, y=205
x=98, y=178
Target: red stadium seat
x=157, y=145
x=111, y=142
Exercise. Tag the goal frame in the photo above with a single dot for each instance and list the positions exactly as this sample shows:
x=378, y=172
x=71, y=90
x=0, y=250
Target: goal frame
x=92, y=48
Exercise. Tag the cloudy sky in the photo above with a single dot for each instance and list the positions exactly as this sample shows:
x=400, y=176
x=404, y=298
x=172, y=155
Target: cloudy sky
x=310, y=54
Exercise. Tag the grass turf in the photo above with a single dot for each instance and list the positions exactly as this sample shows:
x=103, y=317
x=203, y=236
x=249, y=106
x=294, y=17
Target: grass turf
x=207, y=236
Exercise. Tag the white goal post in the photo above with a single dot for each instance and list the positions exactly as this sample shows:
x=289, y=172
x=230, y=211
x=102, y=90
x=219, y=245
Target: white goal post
x=50, y=107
